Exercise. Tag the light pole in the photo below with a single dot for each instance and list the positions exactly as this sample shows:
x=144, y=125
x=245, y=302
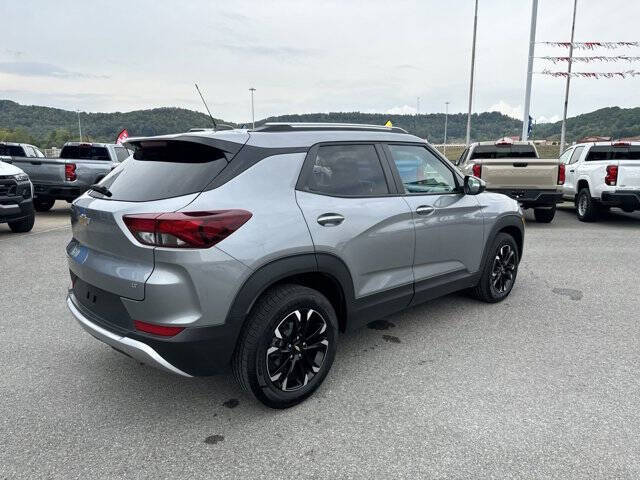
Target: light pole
x=473, y=63
x=418, y=106
x=446, y=115
x=563, y=131
x=79, y=125
x=527, y=91
x=253, y=118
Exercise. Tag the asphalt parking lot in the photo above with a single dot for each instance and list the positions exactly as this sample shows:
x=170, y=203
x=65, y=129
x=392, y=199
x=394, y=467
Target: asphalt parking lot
x=543, y=385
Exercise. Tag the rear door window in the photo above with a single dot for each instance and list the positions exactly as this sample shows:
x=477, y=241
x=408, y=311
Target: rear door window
x=163, y=169
x=12, y=151
x=575, y=156
x=84, y=152
x=347, y=170
x=121, y=153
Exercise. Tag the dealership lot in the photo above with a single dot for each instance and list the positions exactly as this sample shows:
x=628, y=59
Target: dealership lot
x=544, y=384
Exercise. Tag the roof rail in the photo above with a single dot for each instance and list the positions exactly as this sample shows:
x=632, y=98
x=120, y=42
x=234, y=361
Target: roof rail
x=303, y=126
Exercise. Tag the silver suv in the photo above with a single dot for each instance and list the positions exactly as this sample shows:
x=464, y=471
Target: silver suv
x=253, y=249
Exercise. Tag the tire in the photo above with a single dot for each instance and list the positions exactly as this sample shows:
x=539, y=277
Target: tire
x=24, y=225
x=586, y=209
x=43, y=204
x=272, y=324
x=544, y=215
x=503, y=259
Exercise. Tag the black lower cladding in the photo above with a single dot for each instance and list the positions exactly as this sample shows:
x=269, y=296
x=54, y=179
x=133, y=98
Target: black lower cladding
x=196, y=351
x=13, y=209
x=530, y=197
x=622, y=198
x=58, y=192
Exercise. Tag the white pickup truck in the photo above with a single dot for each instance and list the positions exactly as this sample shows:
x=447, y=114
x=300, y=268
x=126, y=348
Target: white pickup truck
x=515, y=169
x=602, y=175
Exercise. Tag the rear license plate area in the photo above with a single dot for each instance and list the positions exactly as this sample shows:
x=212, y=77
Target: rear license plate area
x=106, y=307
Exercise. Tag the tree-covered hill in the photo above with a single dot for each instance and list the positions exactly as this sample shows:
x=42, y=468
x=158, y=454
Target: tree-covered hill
x=46, y=126
x=613, y=122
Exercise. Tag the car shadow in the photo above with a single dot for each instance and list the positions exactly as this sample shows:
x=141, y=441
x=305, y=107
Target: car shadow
x=138, y=392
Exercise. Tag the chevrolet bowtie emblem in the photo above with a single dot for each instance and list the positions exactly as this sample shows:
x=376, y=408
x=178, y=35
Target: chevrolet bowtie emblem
x=83, y=220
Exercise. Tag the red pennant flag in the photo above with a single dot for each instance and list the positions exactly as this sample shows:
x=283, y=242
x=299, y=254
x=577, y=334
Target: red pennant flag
x=122, y=136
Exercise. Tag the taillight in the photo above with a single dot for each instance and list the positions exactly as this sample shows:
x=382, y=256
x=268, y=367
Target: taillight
x=477, y=170
x=561, y=174
x=161, y=330
x=612, y=175
x=70, y=172
x=185, y=229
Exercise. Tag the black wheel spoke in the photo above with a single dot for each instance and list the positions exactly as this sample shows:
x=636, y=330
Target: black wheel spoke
x=298, y=349
x=503, y=269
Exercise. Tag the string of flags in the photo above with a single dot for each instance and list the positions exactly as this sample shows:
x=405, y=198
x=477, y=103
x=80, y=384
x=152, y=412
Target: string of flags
x=591, y=59
x=601, y=58
x=592, y=45
x=625, y=74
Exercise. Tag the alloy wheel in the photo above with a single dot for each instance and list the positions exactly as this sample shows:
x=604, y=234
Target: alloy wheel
x=297, y=350
x=582, y=205
x=503, y=269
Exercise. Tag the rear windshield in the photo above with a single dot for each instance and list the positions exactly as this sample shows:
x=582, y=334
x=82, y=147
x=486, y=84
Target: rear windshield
x=507, y=151
x=613, y=153
x=11, y=150
x=84, y=152
x=163, y=169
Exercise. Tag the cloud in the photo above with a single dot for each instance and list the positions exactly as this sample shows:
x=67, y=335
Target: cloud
x=506, y=109
x=403, y=110
x=38, y=69
x=14, y=53
x=552, y=119
x=268, y=51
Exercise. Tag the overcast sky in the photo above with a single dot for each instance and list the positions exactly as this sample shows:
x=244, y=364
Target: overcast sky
x=304, y=56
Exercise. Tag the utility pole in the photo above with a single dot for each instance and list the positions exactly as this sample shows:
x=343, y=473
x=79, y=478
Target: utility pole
x=446, y=115
x=418, y=106
x=473, y=63
x=79, y=124
x=253, y=118
x=527, y=91
x=563, y=131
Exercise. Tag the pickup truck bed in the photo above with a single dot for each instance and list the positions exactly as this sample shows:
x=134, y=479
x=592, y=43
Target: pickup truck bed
x=533, y=182
x=514, y=169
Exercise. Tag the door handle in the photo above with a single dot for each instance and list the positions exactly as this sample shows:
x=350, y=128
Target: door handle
x=571, y=171
x=330, y=219
x=425, y=210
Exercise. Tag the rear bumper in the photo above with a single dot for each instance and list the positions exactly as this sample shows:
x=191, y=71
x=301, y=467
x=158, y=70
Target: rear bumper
x=59, y=192
x=12, y=210
x=626, y=199
x=133, y=348
x=532, y=198
x=196, y=351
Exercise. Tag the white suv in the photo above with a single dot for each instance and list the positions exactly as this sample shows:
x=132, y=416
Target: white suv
x=602, y=175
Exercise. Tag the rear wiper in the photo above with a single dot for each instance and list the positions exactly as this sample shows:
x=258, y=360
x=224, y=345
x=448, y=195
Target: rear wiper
x=100, y=189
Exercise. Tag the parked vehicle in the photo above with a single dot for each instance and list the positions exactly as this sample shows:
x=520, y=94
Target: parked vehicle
x=515, y=169
x=602, y=175
x=252, y=249
x=16, y=199
x=66, y=178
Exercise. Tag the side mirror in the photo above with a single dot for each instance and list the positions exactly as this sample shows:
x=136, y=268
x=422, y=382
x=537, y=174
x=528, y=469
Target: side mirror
x=473, y=185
